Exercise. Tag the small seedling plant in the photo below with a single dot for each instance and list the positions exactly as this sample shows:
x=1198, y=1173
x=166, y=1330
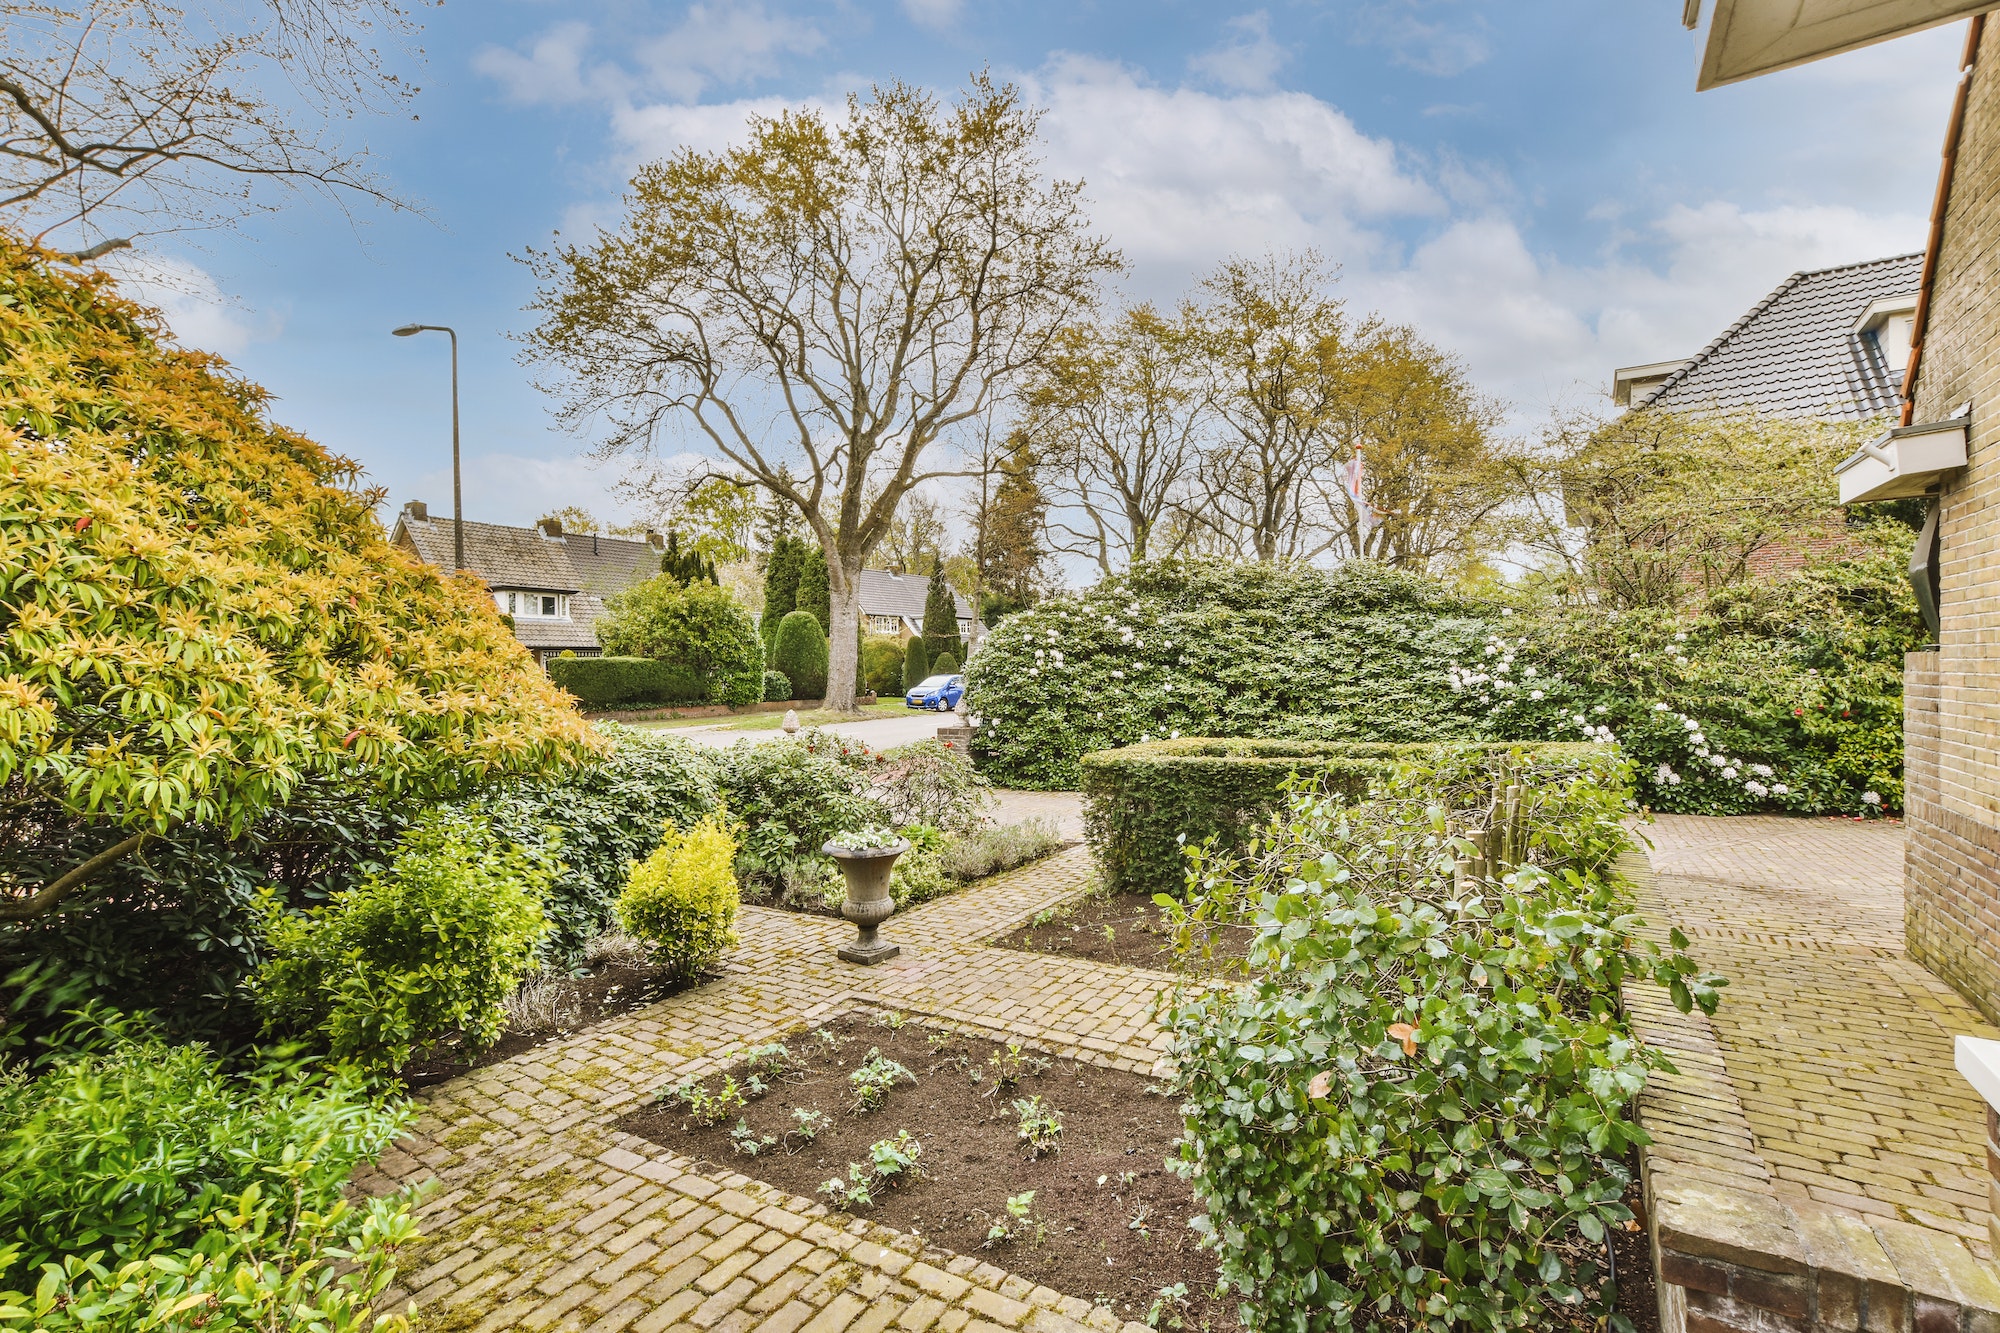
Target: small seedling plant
x=1018, y=1222
x=874, y=1078
x=707, y=1108
x=890, y=1161
x=1041, y=1126
x=1011, y=1066
x=747, y=1142
x=806, y=1124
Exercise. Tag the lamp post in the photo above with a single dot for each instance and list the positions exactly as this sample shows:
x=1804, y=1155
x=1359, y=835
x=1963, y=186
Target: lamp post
x=457, y=498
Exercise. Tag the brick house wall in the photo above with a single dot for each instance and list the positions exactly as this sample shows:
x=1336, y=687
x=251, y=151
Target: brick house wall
x=1952, y=699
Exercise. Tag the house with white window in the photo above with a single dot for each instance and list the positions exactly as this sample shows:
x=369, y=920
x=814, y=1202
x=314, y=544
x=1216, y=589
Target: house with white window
x=893, y=603
x=551, y=584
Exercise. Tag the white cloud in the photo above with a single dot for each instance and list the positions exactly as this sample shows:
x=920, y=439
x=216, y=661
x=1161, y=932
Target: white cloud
x=549, y=71
x=937, y=15
x=518, y=489
x=1251, y=61
x=196, y=309
x=1419, y=38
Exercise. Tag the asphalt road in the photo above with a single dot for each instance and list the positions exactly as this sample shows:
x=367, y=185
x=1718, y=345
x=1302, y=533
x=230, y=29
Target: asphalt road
x=881, y=733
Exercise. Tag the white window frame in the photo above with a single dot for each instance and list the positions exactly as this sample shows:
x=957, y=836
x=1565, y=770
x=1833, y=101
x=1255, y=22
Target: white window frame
x=525, y=605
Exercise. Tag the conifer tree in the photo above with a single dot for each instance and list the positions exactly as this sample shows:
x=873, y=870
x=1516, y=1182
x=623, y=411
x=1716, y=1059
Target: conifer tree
x=814, y=595
x=916, y=662
x=941, y=619
x=781, y=584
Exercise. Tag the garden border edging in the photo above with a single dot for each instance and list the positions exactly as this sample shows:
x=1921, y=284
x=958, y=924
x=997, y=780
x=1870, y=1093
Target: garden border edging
x=1729, y=1255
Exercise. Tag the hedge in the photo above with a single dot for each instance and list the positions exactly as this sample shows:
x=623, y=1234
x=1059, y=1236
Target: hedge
x=606, y=682
x=1143, y=803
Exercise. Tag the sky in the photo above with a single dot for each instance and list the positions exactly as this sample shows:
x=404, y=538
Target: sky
x=1537, y=187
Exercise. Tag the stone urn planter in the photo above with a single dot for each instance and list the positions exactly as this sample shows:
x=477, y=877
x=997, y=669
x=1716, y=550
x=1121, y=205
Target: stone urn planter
x=868, y=902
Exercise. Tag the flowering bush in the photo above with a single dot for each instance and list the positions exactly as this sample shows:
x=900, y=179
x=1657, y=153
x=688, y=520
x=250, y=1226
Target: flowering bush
x=790, y=796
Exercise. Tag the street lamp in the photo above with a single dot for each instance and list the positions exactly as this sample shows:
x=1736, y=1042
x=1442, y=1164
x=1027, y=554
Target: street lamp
x=457, y=499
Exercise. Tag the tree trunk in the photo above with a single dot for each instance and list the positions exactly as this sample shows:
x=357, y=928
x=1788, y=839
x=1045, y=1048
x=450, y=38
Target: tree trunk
x=843, y=666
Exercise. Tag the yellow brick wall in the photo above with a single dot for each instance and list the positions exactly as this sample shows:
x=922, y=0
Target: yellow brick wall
x=1953, y=753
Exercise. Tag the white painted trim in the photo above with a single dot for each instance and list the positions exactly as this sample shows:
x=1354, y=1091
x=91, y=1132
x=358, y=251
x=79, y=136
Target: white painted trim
x=1978, y=1059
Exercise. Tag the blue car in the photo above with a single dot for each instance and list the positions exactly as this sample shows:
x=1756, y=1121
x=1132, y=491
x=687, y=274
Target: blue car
x=936, y=692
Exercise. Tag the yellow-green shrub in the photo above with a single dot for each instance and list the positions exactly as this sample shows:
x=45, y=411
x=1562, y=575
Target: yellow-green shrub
x=682, y=899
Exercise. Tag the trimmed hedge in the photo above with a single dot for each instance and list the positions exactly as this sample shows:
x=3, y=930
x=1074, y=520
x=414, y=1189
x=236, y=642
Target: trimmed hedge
x=606, y=682
x=801, y=654
x=777, y=687
x=1143, y=803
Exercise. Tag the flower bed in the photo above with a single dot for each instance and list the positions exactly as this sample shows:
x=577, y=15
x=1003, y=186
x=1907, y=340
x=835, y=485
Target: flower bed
x=1144, y=803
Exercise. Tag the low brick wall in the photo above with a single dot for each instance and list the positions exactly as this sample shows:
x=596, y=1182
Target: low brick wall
x=1731, y=1256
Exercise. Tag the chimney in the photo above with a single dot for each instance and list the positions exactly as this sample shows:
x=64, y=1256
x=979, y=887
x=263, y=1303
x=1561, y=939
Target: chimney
x=655, y=540
x=551, y=528
x=415, y=511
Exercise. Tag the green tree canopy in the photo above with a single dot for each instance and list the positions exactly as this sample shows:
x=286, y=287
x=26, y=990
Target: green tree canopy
x=814, y=595
x=783, y=564
x=941, y=619
x=698, y=626
x=199, y=612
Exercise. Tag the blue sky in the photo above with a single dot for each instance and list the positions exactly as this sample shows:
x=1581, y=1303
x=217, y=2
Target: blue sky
x=1536, y=187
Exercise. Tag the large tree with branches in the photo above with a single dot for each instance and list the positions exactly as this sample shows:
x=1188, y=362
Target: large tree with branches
x=825, y=304
x=121, y=118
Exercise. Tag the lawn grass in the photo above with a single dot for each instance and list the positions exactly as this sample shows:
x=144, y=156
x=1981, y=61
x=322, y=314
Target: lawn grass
x=818, y=717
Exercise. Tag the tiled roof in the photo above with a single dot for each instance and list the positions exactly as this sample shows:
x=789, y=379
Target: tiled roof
x=886, y=594
x=1795, y=353
x=506, y=557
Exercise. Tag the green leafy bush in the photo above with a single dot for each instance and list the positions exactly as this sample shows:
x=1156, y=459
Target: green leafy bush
x=609, y=682
x=141, y=1175
x=1143, y=804
x=941, y=621
x=997, y=847
x=681, y=900
x=782, y=567
x=882, y=664
x=594, y=820
x=801, y=653
x=916, y=663
x=945, y=666
x=699, y=628
x=932, y=782
x=1417, y=1113
x=789, y=796
x=1205, y=648
x=432, y=945
x=777, y=687
x=814, y=593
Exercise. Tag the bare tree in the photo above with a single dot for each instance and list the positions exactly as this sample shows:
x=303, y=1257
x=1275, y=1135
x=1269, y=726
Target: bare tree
x=915, y=539
x=839, y=295
x=1115, y=418
x=122, y=118
x=1274, y=343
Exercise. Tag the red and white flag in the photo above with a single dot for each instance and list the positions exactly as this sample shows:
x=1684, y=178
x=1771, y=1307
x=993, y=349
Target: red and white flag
x=1356, y=490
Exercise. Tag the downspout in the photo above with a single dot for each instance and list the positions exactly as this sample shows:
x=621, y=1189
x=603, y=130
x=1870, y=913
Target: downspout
x=1920, y=323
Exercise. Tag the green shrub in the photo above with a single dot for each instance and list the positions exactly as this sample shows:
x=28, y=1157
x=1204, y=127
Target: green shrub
x=699, y=628
x=1206, y=648
x=916, y=663
x=946, y=666
x=777, y=687
x=919, y=877
x=789, y=796
x=594, y=820
x=431, y=946
x=932, y=782
x=1144, y=803
x=141, y=1174
x=882, y=664
x=801, y=653
x=682, y=899
x=814, y=594
x=997, y=847
x=1417, y=1114
x=940, y=621
x=609, y=682
x=782, y=566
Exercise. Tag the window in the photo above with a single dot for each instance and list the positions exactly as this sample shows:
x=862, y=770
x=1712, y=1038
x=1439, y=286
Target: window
x=533, y=605
x=885, y=624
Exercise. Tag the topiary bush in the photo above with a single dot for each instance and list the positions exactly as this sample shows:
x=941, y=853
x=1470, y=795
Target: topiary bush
x=611, y=682
x=142, y=1176
x=941, y=620
x=1206, y=648
x=945, y=666
x=681, y=900
x=1417, y=1113
x=431, y=946
x=801, y=653
x=814, y=593
x=777, y=687
x=916, y=663
x=882, y=664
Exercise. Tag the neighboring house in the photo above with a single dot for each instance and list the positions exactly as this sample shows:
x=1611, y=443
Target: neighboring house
x=552, y=584
x=894, y=604
x=1828, y=344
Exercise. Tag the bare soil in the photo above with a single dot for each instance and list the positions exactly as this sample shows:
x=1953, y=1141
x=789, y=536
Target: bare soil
x=1113, y=1219
x=1127, y=927
x=607, y=992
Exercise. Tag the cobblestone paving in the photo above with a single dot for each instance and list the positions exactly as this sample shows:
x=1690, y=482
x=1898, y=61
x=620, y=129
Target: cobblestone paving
x=1838, y=1046
x=548, y=1217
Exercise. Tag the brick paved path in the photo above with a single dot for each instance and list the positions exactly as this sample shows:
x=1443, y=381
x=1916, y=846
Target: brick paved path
x=547, y=1217
x=1836, y=1044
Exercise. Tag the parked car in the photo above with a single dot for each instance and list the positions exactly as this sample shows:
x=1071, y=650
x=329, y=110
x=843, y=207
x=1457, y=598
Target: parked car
x=937, y=692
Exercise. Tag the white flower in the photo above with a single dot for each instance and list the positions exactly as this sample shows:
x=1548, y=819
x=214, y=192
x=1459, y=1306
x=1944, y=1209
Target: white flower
x=1659, y=708
x=1756, y=789
x=1600, y=709
x=1780, y=789
x=1714, y=759
x=1501, y=669
x=1871, y=798
x=1506, y=610
x=1674, y=781
x=1167, y=688
x=1681, y=637
x=1761, y=770
x=1699, y=739
x=1729, y=772
x=1039, y=654
x=1527, y=671
x=1664, y=773
x=1174, y=735
x=1581, y=720
x=1490, y=650
x=1117, y=675
x=1034, y=671
x=1690, y=723
x=1702, y=750
x=1534, y=694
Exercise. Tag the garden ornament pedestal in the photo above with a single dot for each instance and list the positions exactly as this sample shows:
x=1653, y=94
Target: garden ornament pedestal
x=868, y=902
